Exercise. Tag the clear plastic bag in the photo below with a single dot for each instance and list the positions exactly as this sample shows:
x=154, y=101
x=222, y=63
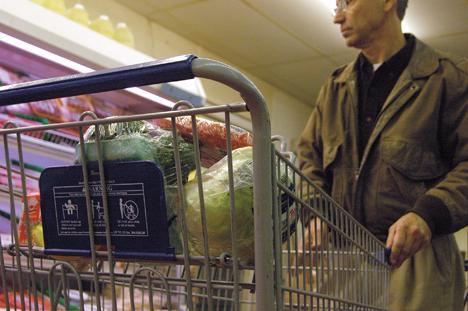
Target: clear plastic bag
x=216, y=195
x=140, y=140
x=212, y=136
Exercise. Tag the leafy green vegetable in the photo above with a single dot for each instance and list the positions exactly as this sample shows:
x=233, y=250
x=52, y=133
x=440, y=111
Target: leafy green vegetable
x=164, y=154
x=217, y=200
x=217, y=207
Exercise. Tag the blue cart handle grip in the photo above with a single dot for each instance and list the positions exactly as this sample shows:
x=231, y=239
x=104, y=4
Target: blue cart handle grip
x=161, y=71
x=387, y=253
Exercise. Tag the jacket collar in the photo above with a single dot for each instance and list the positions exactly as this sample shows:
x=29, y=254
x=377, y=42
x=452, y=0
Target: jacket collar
x=423, y=63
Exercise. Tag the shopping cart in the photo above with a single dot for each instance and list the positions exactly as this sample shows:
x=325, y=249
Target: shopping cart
x=309, y=253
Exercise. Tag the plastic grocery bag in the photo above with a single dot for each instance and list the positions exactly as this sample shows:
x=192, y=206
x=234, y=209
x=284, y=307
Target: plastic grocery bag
x=212, y=136
x=216, y=195
x=140, y=140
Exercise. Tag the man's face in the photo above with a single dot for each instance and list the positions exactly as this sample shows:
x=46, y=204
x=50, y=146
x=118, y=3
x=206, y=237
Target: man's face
x=360, y=22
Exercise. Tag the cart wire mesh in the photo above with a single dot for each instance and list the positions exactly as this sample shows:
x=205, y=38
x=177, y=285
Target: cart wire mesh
x=329, y=261
x=317, y=257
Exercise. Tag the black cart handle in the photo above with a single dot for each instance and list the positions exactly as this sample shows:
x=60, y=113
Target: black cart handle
x=161, y=71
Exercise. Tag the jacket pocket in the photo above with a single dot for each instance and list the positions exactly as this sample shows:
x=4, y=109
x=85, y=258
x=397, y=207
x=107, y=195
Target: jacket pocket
x=412, y=160
x=408, y=171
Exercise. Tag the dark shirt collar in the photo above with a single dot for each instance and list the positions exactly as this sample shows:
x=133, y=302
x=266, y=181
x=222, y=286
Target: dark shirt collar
x=397, y=63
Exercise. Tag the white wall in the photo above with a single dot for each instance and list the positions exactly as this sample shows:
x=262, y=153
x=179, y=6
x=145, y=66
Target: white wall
x=288, y=117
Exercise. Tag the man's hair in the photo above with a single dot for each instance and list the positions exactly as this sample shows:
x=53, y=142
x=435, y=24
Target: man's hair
x=401, y=8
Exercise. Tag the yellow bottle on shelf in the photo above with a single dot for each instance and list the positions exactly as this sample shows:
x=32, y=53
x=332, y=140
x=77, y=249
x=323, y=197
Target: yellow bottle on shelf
x=56, y=6
x=124, y=35
x=78, y=14
x=103, y=25
x=40, y=2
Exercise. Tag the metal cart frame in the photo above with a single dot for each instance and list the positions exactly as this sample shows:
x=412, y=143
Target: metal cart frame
x=270, y=284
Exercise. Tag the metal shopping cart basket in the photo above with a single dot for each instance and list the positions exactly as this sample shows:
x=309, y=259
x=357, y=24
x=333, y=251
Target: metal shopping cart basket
x=303, y=251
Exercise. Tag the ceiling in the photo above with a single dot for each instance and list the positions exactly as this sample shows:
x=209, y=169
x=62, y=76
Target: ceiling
x=292, y=44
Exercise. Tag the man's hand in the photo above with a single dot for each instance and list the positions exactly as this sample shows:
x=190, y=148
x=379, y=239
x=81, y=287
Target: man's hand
x=314, y=237
x=406, y=237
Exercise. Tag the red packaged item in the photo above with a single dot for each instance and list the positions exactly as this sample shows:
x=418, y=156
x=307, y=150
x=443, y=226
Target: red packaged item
x=106, y=109
x=17, y=183
x=37, y=234
x=211, y=134
x=51, y=109
x=35, y=222
x=9, y=76
x=19, y=109
x=14, y=301
x=20, y=122
x=76, y=105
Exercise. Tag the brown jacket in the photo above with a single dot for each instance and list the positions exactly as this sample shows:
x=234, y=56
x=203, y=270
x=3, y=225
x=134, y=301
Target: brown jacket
x=419, y=144
x=419, y=147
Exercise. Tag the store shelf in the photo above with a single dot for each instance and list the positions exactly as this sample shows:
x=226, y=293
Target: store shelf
x=5, y=207
x=27, y=21
x=38, y=152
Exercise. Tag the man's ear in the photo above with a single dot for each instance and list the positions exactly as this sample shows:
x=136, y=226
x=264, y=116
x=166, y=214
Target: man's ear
x=390, y=5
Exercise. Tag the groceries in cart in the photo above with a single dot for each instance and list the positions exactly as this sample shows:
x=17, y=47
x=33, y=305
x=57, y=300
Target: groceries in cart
x=211, y=135
x=141, y=140
x=216, y=193
x=347, y=274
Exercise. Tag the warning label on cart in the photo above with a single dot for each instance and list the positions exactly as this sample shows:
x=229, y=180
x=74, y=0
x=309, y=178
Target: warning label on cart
x=126, y=209
x=131, y=207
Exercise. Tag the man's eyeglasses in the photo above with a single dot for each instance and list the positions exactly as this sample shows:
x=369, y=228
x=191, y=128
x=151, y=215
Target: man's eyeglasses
x=341, y=6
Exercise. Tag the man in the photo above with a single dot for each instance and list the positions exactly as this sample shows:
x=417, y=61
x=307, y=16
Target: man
x=388, y=139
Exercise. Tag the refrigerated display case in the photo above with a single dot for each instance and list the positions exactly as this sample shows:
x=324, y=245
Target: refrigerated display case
x=42, y=44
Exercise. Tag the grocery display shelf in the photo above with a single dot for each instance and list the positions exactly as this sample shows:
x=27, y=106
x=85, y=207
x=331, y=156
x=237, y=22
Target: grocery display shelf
x=52, y=45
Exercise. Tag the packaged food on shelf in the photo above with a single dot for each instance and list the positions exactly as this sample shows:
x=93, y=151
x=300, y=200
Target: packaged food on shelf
x=40, y=2
x=9, y=76
x=104, y=109
x=37, y=235
x=21, y=121
x=31, y=184
x=35, y=222
x=78, y=13
x=124, y=35
x=52, y=109
x=74, y=106
x=57, y=6
x=14, y=299
x=103, y=25
x=55, y=110
x=21, y=109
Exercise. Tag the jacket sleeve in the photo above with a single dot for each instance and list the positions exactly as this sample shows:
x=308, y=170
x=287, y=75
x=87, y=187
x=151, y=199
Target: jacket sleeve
x=309, y=149
x=445, y=206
